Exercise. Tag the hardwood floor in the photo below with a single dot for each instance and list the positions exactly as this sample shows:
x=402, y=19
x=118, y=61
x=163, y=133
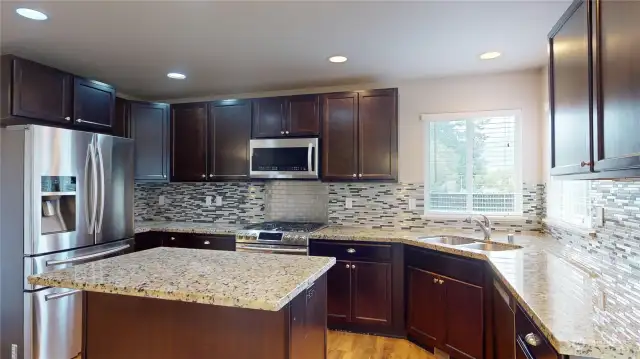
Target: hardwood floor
x=343, y=345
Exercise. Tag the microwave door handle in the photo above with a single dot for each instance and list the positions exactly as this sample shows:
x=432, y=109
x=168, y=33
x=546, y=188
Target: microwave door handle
x=309, y=158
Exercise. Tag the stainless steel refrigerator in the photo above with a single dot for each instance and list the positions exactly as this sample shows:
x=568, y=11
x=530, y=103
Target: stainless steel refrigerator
x=66, y=197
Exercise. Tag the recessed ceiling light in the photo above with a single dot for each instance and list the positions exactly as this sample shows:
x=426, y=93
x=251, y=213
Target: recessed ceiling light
x=31, y=14
x=337, y=59
x=490, y=55
x=176, y=75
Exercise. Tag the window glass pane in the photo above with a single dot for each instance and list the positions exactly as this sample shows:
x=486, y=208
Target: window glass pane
x=447, y=166
x=568, y=201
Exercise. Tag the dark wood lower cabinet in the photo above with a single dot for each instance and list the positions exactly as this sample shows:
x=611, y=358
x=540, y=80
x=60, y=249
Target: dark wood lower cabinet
x=463, y=319
x=339, y=299
x=185, y=240
x=371, y=288
x=309, y=323
x=425, y=317
x=504, y=322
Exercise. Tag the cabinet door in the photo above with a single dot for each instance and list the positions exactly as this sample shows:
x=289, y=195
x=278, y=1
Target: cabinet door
x=378, y=135
x=463, y=318
x=340, y=136
x=189, y=142
x=220, y=243
x=371, y=293
x=425, y=312
x=93, y=104
x=41, y=92
x=618, y=85
x=148, y=240
x=268, y=117
x=303, y=115
x=570, y=100
x=229, y=135
x=504, y=327
x=122, y=119
x=339, y=292
x=150, y=130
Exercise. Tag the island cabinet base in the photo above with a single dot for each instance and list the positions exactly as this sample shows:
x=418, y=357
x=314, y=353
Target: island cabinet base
x=119, y=326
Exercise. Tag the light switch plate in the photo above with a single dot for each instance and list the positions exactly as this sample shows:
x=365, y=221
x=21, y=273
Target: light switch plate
x=348, y=203
x=161, y=200
x=218, y=200
x=412, y=204
x=208, y=200
x=599, y=217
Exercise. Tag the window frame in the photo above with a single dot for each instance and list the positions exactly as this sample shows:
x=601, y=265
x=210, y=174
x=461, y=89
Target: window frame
x=428, y=118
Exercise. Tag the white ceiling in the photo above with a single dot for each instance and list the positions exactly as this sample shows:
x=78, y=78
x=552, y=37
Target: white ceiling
x=235, y=47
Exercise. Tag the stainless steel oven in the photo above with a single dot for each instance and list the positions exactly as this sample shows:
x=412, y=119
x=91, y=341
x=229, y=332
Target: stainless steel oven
x=270, y=248
x=286, y=158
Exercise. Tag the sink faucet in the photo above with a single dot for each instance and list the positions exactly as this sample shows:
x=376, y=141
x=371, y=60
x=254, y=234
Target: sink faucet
x=486, y=226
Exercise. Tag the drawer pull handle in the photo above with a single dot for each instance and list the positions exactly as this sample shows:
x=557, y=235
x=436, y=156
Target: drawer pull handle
x=351, y=250
x=348, y=266
x=173, y=238
x=532, y=339
x=207, y=242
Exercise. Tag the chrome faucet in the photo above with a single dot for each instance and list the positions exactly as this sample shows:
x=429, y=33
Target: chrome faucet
x=485, y=227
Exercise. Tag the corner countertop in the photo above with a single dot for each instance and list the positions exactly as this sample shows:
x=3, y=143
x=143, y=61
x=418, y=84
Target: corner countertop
x=556, y=291
x=231, y=279
x=187, y=227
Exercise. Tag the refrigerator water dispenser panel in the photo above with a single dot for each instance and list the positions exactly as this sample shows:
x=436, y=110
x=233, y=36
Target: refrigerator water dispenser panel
x=58, y=204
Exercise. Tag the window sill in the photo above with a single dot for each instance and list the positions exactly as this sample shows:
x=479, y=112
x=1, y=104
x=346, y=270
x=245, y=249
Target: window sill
x=585, y=231
x=461, y=217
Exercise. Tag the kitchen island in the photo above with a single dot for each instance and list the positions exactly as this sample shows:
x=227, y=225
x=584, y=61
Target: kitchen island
x=188, y=303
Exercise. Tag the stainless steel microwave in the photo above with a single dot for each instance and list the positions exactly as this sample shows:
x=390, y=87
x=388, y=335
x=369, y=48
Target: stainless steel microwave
x=285, y=158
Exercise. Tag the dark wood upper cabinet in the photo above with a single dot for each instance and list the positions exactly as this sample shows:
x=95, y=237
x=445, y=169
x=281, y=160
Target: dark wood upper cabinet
x=378, y=135
x=268, y=117
x=371, y=283
x=617, y=86
x=229, y=136
x=189, y=142
x=570, y=98
x=35, y=91
x=93, y=104
x=425, y=314
x=122, y=118
x=339, y=294
x=360, y=135
x=150, y=130
x=463, y=318
x=340, y=136
x=303, y=116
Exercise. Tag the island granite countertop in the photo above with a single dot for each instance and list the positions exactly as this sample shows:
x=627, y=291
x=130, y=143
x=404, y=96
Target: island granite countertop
x=231, y=279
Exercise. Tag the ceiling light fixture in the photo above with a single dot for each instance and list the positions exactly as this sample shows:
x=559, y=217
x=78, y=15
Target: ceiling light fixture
x=490, y=55
x=31, y=14
x=176, y=75
x=338, y=59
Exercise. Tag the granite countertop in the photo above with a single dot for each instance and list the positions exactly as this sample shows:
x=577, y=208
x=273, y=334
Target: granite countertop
x=559, y=294
x=187, y=227
x=231, y=279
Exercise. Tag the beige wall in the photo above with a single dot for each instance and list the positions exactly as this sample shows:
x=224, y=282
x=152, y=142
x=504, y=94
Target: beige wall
x=507, y=91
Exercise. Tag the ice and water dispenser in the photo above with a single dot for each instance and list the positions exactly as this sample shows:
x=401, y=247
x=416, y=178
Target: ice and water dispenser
x=58, y=204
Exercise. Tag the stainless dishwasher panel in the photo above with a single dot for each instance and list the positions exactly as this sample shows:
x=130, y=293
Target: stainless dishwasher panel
x=53, y=324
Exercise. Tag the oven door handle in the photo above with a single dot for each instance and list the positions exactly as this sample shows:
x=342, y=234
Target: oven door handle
x=274, y=250
x=309, y=158
x=89, y=256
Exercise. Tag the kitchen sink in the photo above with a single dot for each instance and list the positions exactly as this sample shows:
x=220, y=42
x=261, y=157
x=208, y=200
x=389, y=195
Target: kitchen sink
x=454, y=241
x=491, y=246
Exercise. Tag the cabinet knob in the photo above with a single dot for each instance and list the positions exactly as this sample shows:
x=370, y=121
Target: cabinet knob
x=351, y=250
x=353, y=266
x=282, y=132
x=347, y=266
x=79, y=120
x=354, y=175
x=204, y=176
x=67, y=118
x=440, y=281
x=207, y=242
x=286, y=132
x=173, y=238
x=584, y=164
x=164, y=176
x=211, y=175
x=435, y=280
x=360, y=175
x=532, y=339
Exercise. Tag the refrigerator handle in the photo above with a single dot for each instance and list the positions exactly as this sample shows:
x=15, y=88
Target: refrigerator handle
x=86, y=189
x=94, y=188
x=101, y=171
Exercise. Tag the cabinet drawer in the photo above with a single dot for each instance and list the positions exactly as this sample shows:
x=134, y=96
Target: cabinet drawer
x=351, y=251
x=526, y=329
x=466, y=270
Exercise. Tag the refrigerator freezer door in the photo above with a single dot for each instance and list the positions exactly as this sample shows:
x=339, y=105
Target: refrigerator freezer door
x=115, y=182
x=53, y=324
x=53, y=153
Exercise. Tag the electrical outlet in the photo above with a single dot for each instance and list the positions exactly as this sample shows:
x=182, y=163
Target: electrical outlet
x=161, y=200
x=14, y=351
x=412, y=204
x=207, y=200
x=348, y=203
x=599, y=217
x=602, y=300
x=218, y=200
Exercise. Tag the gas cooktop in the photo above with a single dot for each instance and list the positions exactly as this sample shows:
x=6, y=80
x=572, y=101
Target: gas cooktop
x=295, y=233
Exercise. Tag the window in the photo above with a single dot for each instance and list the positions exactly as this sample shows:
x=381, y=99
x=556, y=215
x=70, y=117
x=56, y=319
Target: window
x=473, y=163
x=568, y=201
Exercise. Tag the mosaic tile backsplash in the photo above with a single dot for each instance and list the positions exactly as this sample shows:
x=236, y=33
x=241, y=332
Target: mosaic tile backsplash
x=375, y=205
